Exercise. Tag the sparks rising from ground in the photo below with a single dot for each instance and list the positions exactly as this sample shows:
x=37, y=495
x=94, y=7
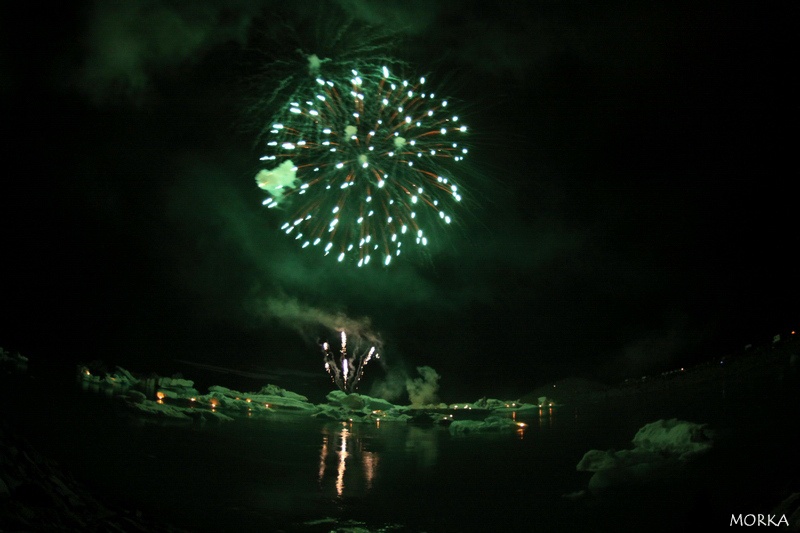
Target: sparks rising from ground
x=365, y=164
x=346, y=370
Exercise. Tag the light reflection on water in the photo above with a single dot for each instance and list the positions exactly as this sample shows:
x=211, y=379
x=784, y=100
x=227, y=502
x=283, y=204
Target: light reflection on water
x=246, y=474
x=260, y=475
x=419, y=475
x=350, y=455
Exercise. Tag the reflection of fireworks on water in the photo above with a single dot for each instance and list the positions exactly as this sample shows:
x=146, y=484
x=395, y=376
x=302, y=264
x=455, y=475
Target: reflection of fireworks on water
x=346, y=369
x=365, y=161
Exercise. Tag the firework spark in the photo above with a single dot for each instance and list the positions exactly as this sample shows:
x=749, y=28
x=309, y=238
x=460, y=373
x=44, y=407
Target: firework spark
x=364, y=164
x=346, y=369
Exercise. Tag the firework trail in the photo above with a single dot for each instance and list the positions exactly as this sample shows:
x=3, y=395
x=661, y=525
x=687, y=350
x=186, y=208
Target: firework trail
x=363, y=163
x=346, y=369
x=345, y=365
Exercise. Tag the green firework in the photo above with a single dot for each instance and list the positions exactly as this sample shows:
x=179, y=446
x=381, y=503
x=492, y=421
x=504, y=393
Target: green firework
x=364, y=165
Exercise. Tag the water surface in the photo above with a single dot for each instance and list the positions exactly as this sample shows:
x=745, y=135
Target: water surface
x=300, y=474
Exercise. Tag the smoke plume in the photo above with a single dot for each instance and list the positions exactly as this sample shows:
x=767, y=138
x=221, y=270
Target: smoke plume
x=307, y=320
x=423, y=390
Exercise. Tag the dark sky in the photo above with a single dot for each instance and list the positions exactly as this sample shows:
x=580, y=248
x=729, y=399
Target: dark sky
x=632, y=168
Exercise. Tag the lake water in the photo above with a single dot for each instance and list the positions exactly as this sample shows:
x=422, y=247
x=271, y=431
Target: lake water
x=296, y=474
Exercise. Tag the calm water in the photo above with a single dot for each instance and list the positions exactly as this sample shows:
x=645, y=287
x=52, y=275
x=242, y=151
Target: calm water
x=307, y=475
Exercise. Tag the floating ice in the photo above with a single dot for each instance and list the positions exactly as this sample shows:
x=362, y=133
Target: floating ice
x=660, y=449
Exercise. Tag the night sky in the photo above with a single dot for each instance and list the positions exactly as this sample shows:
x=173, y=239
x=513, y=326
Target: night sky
x=631, y=173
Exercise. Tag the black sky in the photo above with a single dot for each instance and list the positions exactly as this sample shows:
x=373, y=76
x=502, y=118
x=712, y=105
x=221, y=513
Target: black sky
x=633, y=166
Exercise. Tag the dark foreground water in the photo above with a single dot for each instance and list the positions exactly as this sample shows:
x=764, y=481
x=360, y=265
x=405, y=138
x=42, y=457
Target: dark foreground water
x=296, y=474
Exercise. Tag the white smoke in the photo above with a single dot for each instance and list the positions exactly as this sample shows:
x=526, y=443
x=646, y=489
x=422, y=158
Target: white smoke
x=423, y=390
x=391, y=388
x=306, y=320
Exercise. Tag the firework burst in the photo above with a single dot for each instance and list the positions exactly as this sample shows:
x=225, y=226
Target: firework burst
x=363, y=165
